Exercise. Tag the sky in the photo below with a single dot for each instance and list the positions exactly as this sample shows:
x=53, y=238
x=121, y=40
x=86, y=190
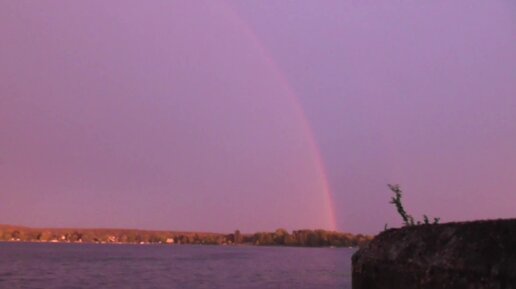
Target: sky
x=255, y=115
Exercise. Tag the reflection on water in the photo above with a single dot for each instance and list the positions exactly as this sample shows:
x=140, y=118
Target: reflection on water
x=40, y=265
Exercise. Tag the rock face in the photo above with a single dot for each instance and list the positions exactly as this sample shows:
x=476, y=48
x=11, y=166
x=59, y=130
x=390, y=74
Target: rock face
x=471, y=255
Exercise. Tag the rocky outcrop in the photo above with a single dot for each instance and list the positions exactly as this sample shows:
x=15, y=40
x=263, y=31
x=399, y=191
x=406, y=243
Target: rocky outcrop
x=471, y=255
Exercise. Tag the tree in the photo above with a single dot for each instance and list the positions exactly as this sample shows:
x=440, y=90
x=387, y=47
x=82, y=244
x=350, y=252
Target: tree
x=280, y=236
x=408, y=220
x=237, y=237
x=16, y=235
x=396, y=201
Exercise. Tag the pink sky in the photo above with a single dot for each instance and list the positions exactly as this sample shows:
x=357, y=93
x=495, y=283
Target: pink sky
x=206, y=115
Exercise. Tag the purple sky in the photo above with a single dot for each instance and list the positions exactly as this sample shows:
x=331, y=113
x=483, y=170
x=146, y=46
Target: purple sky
x=192, y=115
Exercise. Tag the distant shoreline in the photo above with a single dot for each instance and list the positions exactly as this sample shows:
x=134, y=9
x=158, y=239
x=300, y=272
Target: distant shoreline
x=177, y=245
x=280, y=237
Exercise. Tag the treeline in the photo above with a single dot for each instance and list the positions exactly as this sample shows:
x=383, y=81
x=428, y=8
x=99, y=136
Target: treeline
x=281, y=237
x=303, y=238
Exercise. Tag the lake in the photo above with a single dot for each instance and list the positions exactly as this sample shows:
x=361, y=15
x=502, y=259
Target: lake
x=47, y=265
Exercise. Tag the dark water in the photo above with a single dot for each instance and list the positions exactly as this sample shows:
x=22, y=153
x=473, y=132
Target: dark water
x=40, y=265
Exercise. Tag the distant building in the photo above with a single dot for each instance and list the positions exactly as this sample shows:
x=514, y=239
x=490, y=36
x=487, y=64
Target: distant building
x=170, y=241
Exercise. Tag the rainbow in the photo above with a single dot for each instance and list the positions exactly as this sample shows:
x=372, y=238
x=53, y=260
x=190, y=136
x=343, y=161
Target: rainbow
x=294, y=99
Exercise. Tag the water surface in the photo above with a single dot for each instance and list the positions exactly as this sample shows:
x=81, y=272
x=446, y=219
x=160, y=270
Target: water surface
x=44, y=265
